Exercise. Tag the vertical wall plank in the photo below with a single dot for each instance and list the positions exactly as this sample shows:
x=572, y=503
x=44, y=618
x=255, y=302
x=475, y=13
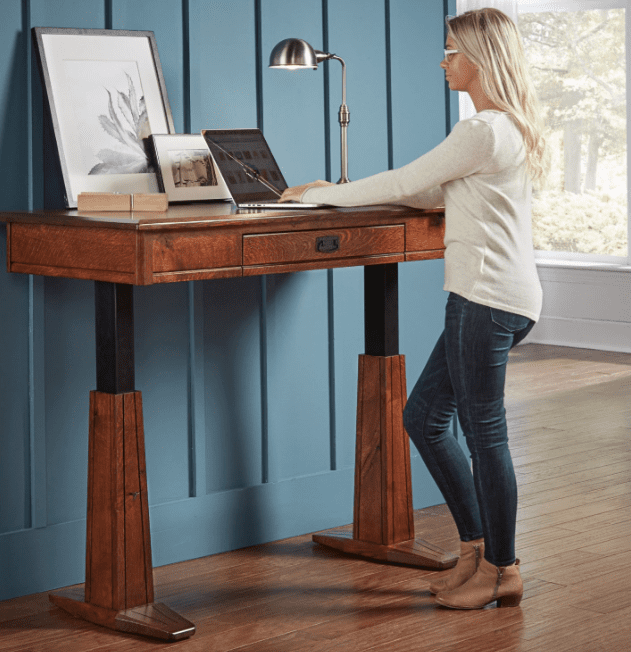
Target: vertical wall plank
x=348, y=295
x=418, y=96
x=14, y=127
x=161, y=332
x=164, y=18
x=363, y=49
x=69, y=13
x=70, y=374
x=223, y=59
x=294, y=100
x=15, y=461
x=14, y=424
x=232, y=383
x=297, y=330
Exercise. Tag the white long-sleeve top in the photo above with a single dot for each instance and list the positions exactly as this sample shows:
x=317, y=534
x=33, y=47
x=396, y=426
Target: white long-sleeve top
x=479, y=173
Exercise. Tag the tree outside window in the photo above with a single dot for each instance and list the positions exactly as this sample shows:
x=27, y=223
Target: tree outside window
x=577, y=60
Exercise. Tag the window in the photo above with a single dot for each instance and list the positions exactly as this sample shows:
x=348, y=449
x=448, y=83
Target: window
x=577, y=53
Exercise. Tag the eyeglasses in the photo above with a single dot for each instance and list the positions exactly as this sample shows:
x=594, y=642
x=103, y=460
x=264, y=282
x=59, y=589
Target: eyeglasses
x=448, y=54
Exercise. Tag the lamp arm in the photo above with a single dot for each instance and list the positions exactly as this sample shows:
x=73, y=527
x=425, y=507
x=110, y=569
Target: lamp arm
x=334, y=56
x=325, y=56
x=344, y=115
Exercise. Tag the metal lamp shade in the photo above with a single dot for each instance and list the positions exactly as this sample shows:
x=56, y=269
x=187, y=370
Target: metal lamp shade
x=296, y=54
x=292, y=54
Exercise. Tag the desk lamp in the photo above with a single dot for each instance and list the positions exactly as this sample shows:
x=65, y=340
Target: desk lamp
x=296, y=54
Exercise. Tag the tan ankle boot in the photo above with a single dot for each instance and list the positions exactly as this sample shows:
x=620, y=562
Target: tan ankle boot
x=490, y=583
x=471, y=552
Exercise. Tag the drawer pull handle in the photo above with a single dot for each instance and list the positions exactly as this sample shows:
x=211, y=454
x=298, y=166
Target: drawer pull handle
x=327, y=244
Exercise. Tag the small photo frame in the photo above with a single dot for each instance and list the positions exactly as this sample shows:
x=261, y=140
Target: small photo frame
x=107, y=95
x=186, y=169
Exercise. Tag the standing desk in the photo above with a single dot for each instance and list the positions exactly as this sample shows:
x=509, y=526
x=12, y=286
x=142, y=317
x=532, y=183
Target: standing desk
x=208, y=241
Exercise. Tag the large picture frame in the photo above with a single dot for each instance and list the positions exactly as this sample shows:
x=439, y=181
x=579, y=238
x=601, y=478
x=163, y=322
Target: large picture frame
x=106, y=95
x=186, y=169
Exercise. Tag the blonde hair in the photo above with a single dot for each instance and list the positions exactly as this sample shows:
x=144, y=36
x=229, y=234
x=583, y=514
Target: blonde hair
x=492, y=42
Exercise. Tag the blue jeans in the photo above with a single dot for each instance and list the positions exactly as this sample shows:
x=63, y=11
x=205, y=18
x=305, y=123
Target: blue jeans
x=466, y=373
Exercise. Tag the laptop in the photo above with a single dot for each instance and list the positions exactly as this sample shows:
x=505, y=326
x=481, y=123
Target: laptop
x=249, y=168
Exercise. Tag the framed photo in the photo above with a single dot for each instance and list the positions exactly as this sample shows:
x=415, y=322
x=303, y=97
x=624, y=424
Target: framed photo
x=186, y=169
x=106, y=95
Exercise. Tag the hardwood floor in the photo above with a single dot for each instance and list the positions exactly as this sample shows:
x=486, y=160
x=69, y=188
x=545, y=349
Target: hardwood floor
x=569, y=415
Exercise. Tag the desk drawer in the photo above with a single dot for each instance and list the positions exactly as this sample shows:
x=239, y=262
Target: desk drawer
x=182, y=251
x=307, y=246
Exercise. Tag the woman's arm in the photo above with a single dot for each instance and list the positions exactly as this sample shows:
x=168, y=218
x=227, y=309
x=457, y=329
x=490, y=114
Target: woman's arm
x=465, y=151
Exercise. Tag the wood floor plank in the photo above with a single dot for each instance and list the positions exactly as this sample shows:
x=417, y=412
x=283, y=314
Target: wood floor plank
x=581, y=481
x=572, y=566
x=597, y=520
x=611, y=546
x=603, y=633
x=590, y=494
x=535, y=494
x=605, y=604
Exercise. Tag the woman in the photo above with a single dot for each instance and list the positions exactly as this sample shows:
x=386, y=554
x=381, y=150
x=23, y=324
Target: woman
x=483, y=173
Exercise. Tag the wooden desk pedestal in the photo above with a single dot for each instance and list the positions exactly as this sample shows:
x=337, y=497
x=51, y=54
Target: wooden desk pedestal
x=118, y=570
x=383, y=521
x=119, y=574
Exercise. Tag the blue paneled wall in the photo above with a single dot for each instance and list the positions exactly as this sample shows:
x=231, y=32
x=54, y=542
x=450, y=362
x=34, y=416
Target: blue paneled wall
x=249, y=385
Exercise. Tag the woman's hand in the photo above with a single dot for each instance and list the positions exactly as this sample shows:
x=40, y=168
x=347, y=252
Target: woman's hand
x=295, y=193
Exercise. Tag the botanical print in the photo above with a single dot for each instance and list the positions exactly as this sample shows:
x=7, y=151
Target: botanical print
x=191, y=168
x=111, y=116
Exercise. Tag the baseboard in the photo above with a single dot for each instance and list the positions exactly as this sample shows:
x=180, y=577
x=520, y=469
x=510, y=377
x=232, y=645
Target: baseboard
x=582, y=333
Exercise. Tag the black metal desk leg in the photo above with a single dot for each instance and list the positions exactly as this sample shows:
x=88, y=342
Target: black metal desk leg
x=381, y=309
x=114, y=325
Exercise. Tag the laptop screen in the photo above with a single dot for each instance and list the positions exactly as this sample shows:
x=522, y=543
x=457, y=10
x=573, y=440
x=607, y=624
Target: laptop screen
x=249, y=146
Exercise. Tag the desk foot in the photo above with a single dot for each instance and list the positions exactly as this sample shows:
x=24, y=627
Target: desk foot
x=414, y=552
x=154, y=619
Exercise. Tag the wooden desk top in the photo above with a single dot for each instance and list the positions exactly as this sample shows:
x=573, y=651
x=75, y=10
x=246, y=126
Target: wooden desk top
x=210, y=240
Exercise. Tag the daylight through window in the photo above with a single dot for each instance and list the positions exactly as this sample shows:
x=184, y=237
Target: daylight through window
x=577, y=58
